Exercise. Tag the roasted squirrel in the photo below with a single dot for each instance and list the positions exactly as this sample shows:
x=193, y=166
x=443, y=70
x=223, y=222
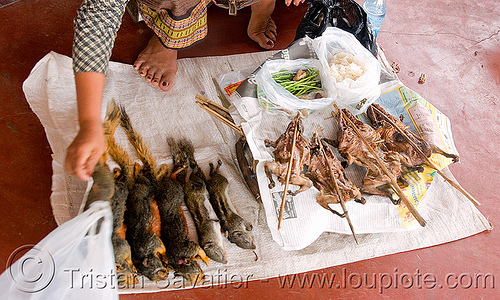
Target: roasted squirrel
x=148, y=251
x=237, y=229
x=197, y=199
x=181, y=253
x=105, y=189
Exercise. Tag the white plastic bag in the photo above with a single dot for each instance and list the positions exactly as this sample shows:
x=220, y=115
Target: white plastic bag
x=348, y=93
x=75, y=261
x=274, y=97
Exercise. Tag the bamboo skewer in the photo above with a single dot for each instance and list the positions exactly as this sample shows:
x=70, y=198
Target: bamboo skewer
x=214, y=105
x=339, y=193
x=428, y=161
x=220, y=118
x=219, y=112
x=221, y=109
x=393, y=182
x=287, y=179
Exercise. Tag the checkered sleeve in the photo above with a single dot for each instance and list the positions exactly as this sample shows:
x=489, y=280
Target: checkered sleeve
x=95, y=26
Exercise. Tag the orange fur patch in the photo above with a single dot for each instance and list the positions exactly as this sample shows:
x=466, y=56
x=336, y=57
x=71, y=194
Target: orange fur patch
x=155, y=219
x=121, y=231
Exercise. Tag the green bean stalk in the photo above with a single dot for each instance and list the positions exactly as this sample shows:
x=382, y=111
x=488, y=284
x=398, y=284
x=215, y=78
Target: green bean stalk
x=305, y=85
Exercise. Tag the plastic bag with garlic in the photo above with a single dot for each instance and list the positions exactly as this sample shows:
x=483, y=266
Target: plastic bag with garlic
x=350, y=73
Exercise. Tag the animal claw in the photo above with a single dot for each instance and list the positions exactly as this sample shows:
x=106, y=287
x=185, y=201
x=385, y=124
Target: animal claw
x=396, y=201
x=203, y=256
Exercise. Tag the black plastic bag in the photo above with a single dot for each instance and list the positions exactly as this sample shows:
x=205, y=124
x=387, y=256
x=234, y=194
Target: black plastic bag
x=344, y=14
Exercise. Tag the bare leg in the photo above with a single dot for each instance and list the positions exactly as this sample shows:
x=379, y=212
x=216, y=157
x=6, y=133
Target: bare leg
x=261, y=27
x=157, y=64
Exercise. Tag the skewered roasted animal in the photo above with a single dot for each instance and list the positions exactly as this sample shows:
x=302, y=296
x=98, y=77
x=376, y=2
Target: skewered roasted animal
x=237, y=229
x=148, y=251
x=181, y=252
x=352, y=148
x=410, y=140
x=322, y=165
x=395, y=141
x=282, y=154
x=385, y=124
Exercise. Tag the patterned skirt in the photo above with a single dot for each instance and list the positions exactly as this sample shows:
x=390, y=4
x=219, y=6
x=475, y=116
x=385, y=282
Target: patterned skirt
x=179, y=23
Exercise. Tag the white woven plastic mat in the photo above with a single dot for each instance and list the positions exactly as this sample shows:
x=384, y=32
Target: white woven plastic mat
x=50, y=92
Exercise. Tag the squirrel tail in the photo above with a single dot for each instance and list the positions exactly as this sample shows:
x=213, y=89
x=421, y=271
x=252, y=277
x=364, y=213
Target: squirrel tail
x=148, y=161
x=117, y=153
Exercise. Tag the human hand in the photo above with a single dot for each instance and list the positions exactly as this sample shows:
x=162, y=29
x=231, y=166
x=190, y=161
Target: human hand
x=295, y=2
x=84, y=152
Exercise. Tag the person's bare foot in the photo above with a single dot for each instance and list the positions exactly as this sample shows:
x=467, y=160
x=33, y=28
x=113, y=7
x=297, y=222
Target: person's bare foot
x=261, y=27
x=157, y=64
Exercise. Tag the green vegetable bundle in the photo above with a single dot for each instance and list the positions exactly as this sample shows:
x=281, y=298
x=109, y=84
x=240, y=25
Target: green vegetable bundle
x=307, y=84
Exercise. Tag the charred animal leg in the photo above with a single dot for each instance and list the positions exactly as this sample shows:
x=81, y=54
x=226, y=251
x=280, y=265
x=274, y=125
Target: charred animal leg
x=438, y=150
x=302, y=181
x=324, y=200
x=270, y=169
x=403, y=181
x=362, y=200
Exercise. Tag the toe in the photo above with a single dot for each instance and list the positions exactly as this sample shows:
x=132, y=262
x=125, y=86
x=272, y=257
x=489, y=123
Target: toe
x=272, y=27
x=264, y=41
x=166, y=83
x=269, y=44
x=156, y=80
x=143, y=70
x=271, y=35
x=272, y=30
x=137, y=64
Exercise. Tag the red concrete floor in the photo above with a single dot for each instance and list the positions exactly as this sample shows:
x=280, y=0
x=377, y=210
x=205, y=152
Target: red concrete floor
x=456, y=45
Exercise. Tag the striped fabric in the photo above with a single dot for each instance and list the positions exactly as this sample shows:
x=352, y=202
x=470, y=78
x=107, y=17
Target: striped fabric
x=174, y=30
